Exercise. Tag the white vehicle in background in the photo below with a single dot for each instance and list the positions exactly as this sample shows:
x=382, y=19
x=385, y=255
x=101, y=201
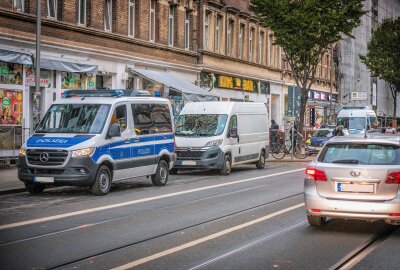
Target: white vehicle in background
x=354, y=119
x=220, y=135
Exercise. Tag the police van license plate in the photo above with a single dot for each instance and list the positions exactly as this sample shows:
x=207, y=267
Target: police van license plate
x=341, y=187
x=189, y=162
x=40, y=179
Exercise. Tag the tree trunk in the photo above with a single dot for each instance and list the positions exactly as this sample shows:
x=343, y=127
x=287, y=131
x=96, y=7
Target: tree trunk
x=395, y=105
x=303, y=103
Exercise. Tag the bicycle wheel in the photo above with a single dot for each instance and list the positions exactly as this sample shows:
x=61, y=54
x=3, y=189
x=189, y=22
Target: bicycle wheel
x=301, y=151
x=279, y=152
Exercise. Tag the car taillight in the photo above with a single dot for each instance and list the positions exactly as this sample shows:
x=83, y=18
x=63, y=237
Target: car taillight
x=315, y=174
x=393, y=178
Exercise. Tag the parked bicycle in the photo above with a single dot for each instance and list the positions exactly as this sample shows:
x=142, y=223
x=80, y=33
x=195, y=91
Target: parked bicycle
x=284, y=147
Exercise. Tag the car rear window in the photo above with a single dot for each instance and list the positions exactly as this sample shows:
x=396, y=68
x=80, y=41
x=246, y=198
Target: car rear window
x=353, y=153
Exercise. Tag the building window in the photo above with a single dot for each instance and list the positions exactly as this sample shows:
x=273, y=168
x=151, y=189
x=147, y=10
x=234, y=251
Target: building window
x=171, y=25
x=152, y=23
x=270, y=50
x=241, y=40
x=251, y=44
x=131, y=25
x=82, y=12
x=229, y=46
x=52, y=9
x=19, y=5
x=261, y=47
x=218, y=31
x=187, y=29
x=207, y=29
x=108, y=15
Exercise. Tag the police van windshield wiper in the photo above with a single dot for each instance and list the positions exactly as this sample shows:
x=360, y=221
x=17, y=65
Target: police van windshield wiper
x=350, y=161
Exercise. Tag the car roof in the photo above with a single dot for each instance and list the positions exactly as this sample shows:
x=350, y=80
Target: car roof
x=371, y=138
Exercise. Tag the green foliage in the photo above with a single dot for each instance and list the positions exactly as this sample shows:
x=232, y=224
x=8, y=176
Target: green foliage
x=383, y=56
x=305, y=29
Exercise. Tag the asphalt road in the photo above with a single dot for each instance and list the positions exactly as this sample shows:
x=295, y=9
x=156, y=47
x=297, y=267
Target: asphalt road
x=253, y=219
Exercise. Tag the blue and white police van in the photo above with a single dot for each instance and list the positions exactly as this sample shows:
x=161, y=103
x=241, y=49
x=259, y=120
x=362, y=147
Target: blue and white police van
x=94, y=137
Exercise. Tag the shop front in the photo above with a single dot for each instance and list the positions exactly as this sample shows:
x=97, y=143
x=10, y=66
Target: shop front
x=170, y=85
x=318, y=110
x=11, y=109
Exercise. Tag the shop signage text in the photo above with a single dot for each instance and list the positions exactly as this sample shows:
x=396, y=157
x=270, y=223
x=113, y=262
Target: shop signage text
x=359, y=96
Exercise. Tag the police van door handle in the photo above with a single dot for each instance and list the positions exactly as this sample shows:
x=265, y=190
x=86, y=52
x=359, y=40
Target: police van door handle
x=127, y=140
x=135, y=139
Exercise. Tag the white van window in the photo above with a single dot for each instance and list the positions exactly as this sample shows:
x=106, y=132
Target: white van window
x=233, y=122
x=119, y=117
x=352, y=122
x=201, y=125
x=74, y=118
x=142, y=118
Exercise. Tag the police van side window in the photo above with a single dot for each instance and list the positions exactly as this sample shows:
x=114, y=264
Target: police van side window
x=161, y=118
x=142, y=118
x=119, y=117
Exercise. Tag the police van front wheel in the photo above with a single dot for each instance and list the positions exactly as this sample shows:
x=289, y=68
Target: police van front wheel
x=35, y=188
x=102, y=183
x=160, y=178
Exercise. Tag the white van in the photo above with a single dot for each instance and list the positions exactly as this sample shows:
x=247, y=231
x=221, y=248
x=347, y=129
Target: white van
x=220, y=135
x=93, y=137
x=354, y=119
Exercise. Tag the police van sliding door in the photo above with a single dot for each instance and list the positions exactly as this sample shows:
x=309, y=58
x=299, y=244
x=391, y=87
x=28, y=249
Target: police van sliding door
x=142, y=150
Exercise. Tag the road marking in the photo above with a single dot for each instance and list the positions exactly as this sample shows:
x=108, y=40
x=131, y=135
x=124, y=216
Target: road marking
x=111, y=206
x=204, y=239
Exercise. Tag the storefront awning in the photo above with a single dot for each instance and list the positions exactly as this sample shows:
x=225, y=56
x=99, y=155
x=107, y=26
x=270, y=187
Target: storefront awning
x=15, y=57
x=190, y=92
x=67, y=66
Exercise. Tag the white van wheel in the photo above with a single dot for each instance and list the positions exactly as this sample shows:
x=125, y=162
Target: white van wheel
x=160, y=178
x=261, y=162
x=102, y=182
x=226, y=166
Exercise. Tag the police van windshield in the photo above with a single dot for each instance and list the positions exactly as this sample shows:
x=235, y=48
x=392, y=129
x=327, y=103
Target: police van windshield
x=74, y=118
x=352, y=123
x=201, y=125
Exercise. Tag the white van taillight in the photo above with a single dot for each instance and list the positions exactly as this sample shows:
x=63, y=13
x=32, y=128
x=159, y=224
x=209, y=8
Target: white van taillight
x=315, y=174
x=393, y=178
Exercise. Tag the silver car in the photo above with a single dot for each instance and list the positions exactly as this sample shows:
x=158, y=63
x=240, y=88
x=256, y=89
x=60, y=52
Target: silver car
x=355, y=178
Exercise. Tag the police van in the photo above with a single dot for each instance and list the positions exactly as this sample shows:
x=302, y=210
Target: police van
x=91, y=138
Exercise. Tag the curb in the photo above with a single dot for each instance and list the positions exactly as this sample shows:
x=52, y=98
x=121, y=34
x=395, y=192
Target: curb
x=12, y=191
x=289, y=160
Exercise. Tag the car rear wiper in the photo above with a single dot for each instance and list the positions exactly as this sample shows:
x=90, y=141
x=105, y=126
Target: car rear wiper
x=351, y=161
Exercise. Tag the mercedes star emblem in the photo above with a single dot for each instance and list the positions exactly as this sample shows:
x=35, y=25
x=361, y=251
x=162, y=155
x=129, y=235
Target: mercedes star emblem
x=44, y=157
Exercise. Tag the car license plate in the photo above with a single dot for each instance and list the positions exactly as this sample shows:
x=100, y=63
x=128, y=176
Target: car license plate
x=189, y=162
x=357, y=188
x=44, y=179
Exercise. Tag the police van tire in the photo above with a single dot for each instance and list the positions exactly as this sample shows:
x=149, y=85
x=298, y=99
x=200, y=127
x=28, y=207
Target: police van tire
x=102, y=182
x=35, y=188
x=160, y=178
x=261, y=162
x=226, y=166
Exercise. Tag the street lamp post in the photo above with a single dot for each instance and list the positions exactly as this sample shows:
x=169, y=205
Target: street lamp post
x=38, y=33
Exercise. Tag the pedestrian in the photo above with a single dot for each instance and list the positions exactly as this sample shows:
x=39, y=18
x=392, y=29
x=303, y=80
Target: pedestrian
x=273, y=131
x=338, y=131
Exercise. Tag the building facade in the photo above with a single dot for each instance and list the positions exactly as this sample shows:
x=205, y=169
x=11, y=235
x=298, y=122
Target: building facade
x=356, y=85
x=185, y=50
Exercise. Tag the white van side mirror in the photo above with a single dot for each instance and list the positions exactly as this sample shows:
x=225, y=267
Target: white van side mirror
x=233, y=133
x=115, y=131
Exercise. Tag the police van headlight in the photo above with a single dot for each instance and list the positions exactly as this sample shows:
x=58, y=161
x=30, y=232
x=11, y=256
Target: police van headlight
x=22, y=152
x=83, y=152
x=214, y=143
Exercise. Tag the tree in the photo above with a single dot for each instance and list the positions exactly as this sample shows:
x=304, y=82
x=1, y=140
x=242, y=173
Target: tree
x=383, y=56
x=305, y=29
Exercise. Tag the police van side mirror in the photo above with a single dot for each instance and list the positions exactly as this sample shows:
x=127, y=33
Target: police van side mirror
x=115, y=131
